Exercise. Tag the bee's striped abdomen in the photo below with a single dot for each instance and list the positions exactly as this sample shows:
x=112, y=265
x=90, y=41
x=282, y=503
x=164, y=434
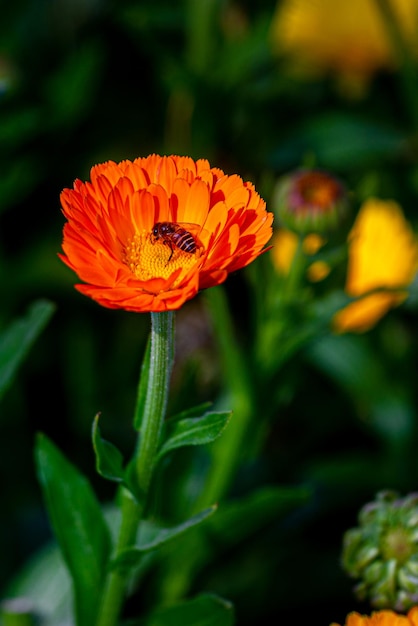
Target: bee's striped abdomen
x=185, y=241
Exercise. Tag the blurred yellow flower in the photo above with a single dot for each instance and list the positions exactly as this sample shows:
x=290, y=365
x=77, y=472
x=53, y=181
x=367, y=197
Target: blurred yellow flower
x=285, y=243
x=382, y=253
x=383, y=618
x=284, y=247
x=312, y=243
x=349, y=40
x=318, y=271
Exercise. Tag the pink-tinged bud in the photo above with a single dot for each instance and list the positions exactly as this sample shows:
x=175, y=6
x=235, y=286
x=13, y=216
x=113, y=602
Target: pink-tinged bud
x=311, y=201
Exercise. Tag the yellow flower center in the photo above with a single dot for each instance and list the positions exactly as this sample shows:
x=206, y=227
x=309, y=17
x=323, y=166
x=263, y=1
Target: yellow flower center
x=149, y=258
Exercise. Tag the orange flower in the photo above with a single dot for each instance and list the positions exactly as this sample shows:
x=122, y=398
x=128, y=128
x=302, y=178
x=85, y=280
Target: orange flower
x=383, y=618
x=114, y=240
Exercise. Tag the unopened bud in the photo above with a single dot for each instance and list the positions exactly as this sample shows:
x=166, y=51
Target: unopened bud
x=382, y=552
x=310, y=201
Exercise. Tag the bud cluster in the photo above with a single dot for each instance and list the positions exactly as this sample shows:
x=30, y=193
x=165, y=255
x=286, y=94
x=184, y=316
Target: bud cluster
x=382, y=552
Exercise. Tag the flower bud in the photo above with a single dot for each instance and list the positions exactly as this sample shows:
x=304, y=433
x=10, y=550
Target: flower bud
x=310, y=201
x=382, y=552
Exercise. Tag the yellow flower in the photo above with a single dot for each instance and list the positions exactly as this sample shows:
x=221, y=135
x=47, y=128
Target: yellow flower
x=284, y=247
x=285, y=243
x=383, y=618
x=318, y=271
x=383, y=253
x=349, y=40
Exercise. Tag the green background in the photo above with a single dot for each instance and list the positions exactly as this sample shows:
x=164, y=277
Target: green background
x=82, y=82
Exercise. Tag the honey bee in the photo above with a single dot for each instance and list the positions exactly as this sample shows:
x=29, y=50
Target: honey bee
x=174, y=236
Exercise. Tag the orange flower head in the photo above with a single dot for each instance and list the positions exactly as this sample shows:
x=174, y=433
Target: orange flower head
x=147, y=235
x=383, y=618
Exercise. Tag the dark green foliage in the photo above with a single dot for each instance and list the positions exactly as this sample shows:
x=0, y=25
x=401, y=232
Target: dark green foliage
x=17, y=338
x=78, y=524
x=204, y=610
x=331, y=419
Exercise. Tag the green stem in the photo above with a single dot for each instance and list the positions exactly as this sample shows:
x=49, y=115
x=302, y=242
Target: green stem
x=115, y=584
x=157, y=377
x=160, y=367
x=281, y=297
x=178, y=121
x=404, y=55
x=200, y=23
x=296, y=272
x=227, y=450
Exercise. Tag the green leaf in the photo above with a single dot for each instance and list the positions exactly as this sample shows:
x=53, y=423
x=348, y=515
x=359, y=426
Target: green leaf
x=44, y=581
x=153, y=536
x=16, y=612
x=239, y=518
x=204, y=610
x=195, y=431
x=341, y=138
x=346, y=358
x=17, y=339
x=109, y=461
x=78, y=524
x=195, y=411
x=341, y=141
x=352, y=363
